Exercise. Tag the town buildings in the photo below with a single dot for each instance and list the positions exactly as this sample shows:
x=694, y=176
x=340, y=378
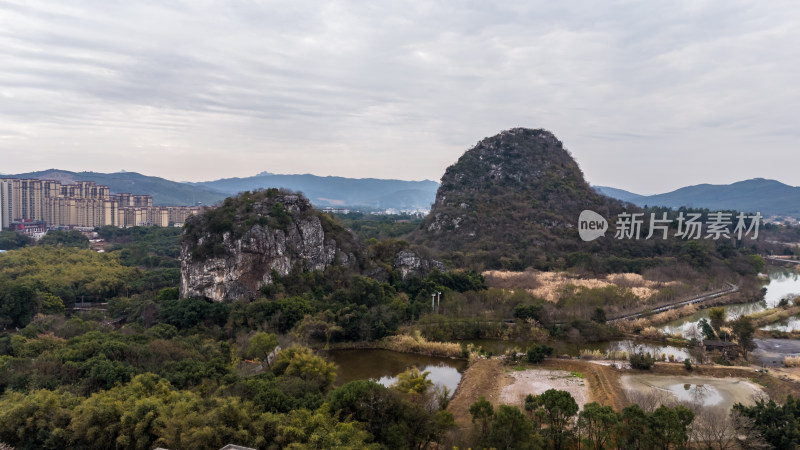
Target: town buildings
x=31, y=204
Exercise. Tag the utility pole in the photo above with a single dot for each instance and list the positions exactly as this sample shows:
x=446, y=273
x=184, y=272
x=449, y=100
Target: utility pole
x=433, y=302
x=438, y=298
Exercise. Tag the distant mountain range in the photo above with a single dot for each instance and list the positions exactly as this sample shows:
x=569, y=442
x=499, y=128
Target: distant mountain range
x=769, y=197
x=338, y=191
x=322, y=191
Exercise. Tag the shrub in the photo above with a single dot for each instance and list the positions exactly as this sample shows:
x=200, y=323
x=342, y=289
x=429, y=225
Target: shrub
x=642, y=361
x=537, y=353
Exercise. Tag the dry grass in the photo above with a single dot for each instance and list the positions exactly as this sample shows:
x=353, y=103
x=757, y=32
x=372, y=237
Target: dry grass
x=673, y=314
x=629, y=326
x=549, y=285
x=791, y=361
x=415, y=343
x=652, y=333
x=769, y=316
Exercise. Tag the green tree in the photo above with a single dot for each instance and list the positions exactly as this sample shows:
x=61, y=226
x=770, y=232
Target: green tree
x=717, y=317
x=641, y=360
x=413, y=381
x=778, y=424
x=599, y=423
x=72, y=238
x=39, y=420
x=633, y=430
x=482, y=413
x=260, y=345
x=744, y=330
x=558, y=408
x=708, y=332
x=17, y=306
x=512, y=430
x=12, y=240
x=667, y=426
x=303, y=363
x=537, y=352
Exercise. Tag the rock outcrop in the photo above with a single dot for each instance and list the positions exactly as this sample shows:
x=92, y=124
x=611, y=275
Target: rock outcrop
x=234, y=250
x=410, y=264
x=515, y=196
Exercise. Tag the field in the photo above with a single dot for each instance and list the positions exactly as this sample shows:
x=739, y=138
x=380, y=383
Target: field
x=550, y=285
x=604, y=383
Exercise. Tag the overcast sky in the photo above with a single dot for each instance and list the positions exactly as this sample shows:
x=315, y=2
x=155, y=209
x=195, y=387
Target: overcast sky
x=648, y=96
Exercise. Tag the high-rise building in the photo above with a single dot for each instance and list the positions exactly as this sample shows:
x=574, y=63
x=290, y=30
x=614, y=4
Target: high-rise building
x=82, y=204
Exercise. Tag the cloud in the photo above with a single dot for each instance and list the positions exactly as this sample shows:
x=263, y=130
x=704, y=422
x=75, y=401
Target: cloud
x=698, y=91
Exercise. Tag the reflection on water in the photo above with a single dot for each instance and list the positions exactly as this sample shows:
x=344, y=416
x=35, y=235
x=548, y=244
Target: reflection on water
x=783, y=282
x=383, y=366
x=699, y=394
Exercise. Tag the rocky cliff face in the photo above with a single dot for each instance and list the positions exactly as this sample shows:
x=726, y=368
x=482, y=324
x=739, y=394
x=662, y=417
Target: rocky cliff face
x=233, y=252
x=410, y=264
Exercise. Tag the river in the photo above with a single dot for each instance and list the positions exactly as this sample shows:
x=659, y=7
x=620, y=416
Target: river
x=782, y=283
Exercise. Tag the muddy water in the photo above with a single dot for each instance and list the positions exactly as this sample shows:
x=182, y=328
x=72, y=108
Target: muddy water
x=382, y=366
x=782, y=282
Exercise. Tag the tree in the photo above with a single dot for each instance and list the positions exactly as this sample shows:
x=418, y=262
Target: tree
x=37, y=420
x=599, y=423
x=778, y=424
x=633, y=431
x=72, y=238
x=667, y=426
x=744, y=330
x=303, y=363
x=558, y=408
x=482, y=412
x=717, y=317
x=708, y=332
x=641, y=360
x=261, y=345
x=412, y=381
x=537, y=353
x=512, y=430
x=367, y=401
x=17, y=306
x=12, y=240
x=599, y=315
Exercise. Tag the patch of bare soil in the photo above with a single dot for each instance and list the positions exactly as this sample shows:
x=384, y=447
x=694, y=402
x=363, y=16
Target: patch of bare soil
x=537, y=381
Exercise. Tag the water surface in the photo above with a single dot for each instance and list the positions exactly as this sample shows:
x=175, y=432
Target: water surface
x=382, y=366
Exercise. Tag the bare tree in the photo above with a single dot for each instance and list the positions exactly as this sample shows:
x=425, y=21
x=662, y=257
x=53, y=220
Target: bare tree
x=748, y=437
x=714, y=428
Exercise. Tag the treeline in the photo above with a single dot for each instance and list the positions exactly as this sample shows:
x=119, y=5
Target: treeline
x=73, y=384
x=46, y=279
x=379, y=226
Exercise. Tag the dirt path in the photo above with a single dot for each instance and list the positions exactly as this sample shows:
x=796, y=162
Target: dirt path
x=485, y=377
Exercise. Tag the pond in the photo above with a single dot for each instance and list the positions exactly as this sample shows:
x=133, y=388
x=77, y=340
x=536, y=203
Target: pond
x=716, y=393
x=382, y=366
x=782, y=283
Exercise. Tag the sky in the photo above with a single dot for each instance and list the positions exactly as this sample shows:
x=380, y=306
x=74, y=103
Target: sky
x=648, y=96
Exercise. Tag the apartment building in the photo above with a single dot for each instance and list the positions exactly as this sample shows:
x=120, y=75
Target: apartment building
x=82, y=204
